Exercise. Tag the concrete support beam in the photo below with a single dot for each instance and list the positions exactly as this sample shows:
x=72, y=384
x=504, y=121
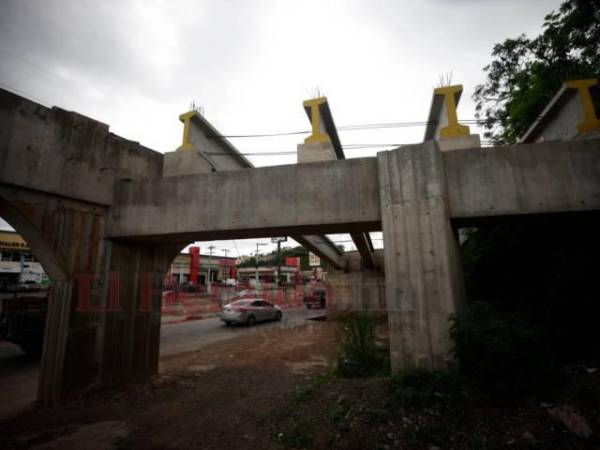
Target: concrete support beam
x=320, y=151
x=325, y=197
x=423, y=277
x=324, y=145
x=322, y=247
x=365, y=248
x=552, y=177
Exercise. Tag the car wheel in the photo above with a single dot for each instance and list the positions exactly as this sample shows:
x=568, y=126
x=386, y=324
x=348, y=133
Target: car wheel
x=251, y=321
x=227, y=324
x=278, y=316
x=307, y=306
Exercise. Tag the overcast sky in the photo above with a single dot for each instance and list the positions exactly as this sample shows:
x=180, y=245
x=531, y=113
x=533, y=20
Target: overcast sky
x=137, y=65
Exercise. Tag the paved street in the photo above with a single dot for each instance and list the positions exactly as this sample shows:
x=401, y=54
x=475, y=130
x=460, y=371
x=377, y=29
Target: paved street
x=189, y=336
x=19, y=373
x=18, y=378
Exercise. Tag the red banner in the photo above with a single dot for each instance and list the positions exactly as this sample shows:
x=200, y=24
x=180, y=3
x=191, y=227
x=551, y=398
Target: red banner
x=194, y=264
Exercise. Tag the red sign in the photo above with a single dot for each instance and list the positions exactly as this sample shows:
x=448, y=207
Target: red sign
x=292, y=261
x=194, y=264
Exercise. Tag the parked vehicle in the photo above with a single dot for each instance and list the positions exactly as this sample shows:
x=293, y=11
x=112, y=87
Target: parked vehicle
x=230, y=282
x=250, y=311
x=316, y=299
x=22, y=322
x=245, y=293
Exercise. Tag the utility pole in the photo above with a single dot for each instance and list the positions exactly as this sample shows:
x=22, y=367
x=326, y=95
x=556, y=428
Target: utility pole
x=278, y=240
x=210, y=252
x=278, y=262
x=226, y=250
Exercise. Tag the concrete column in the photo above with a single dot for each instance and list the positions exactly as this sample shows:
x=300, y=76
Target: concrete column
x=422, y=265
x=132, y=334
x=320, y=151
x=50, y=386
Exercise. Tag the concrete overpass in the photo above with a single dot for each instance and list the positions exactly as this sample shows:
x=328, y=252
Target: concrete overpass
x=481, y=182
x=90, y=202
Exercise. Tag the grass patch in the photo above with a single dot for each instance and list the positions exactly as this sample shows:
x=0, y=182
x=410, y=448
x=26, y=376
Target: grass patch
x=359, y=354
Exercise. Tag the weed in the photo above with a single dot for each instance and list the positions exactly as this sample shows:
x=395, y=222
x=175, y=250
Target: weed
x=359, y=356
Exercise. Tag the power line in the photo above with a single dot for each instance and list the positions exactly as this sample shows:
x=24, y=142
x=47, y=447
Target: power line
x=356, y=127
x=294, y=152
x=370, y=126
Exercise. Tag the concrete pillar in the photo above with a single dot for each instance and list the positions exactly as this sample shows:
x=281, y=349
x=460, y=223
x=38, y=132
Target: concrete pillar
x=132, y=333
x=422, y=265
x=320, y=151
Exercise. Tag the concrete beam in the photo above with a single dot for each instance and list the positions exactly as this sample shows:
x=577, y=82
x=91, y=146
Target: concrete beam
x=365, y=248
x=323, y=197
x=320, y=116
x=342, y=196
x=322, y=246
x=66, y=154
x=569, y=115
x=543, y=178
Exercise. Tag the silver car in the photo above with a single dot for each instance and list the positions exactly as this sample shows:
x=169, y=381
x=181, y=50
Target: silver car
x=250, y=311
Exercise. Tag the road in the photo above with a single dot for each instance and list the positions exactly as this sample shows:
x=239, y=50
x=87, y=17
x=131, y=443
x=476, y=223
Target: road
x=18, y=378
x=19, y=373
x=189, y=336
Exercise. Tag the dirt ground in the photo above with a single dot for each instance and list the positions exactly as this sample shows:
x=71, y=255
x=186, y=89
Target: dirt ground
x=227, y=395
x=276, y=389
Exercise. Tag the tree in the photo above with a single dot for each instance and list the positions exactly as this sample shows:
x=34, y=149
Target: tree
x=535, y=276
x=525, y=73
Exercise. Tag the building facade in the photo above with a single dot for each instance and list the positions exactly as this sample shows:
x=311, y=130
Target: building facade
x=218, y=268
x=18, y=267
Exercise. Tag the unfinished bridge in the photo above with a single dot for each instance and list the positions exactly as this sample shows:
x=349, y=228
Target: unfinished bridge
x=90, y=202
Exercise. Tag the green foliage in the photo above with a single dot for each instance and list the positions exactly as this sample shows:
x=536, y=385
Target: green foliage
x=525, y=73
x=360, y=356
x=545, y=271
x=501, y=352
x=418, y=388
x=250, y=262
x=271, y=259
